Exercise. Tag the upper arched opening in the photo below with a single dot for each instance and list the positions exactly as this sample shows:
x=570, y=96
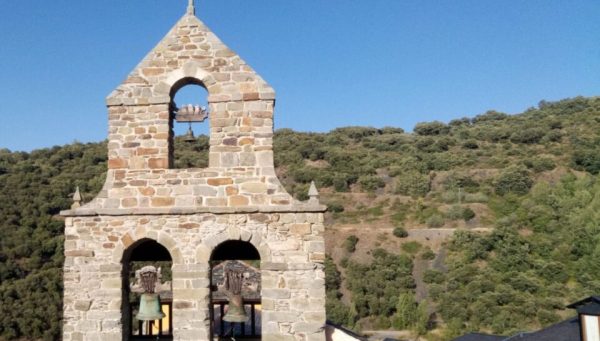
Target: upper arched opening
x=189, y=136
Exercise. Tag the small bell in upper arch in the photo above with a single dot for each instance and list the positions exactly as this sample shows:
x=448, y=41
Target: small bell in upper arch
x=189, y=135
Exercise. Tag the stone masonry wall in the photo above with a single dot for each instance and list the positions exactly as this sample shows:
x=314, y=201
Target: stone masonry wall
x=241, y=104
x=290, y=245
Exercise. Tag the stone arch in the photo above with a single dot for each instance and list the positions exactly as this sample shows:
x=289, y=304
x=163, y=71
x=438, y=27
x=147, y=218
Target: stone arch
x=240, y=256
x=147, y=251
x=205, y=250
x=135, y=235
x=190, y=70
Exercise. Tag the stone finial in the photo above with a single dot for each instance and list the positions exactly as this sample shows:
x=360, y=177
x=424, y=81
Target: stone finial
x=76, y=199
x=190, y=9
x=313, y=194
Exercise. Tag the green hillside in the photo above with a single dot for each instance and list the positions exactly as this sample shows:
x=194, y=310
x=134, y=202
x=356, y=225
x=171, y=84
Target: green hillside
x=487, y=223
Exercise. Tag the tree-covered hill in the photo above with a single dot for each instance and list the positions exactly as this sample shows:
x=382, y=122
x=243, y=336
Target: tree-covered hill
x=518, y=196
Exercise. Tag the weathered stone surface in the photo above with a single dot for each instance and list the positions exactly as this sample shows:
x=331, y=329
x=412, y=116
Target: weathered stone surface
x=219, y=181
x=300, y=228
x=238, y=200
x=82, y=305
x=162, y=201
x=79, y=253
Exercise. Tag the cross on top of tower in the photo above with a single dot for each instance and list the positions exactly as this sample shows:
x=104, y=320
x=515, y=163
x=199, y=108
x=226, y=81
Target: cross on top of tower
x=190, y=9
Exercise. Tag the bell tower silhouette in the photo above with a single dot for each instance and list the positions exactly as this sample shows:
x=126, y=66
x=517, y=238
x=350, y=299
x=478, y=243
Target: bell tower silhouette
x=149, y=211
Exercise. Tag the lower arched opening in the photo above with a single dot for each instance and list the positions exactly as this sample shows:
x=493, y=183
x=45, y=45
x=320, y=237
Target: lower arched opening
x=235, y=266
x=142, y=256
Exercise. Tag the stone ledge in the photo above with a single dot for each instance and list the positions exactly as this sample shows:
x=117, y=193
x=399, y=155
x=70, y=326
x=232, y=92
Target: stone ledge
x=298, y=208
x=134, y=102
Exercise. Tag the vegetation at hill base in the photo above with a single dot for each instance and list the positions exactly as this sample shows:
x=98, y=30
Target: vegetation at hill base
x=521, y=192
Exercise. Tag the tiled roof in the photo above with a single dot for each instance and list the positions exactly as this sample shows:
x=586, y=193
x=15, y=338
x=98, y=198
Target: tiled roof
x=479, y=337
x=562, y=331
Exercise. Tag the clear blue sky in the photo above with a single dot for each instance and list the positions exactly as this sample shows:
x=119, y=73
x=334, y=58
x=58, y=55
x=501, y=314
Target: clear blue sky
x=333, y=63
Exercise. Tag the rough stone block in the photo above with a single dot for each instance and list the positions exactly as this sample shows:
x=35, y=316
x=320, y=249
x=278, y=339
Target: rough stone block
x=300, y=229
x=238, y=200
x=162, y=201
x=219, y=181
x=254, y=187
x=82, y=305
x=79, y=253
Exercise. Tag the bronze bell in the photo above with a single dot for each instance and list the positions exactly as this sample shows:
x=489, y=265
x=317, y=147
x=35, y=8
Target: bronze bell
x=235, y=310
x=189, y=135
x=147, y=281
x=233, y=290
x=149, y=308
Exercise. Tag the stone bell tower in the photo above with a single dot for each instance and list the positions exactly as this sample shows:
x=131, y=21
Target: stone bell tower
x=190, y=213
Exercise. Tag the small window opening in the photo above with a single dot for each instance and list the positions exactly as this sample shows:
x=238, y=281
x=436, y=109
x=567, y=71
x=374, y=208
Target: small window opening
x=230, y=261
x=137, y=258
x=189, y=137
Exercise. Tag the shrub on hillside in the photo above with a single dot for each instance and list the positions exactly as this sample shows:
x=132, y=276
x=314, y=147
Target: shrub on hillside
x=428, y=254
x=494, y=134
x=540, y=164
x=454, y=212
x=468, y=214
x=350, y=243
x=528, y=136
x=406, y=311
x=335, y=207
x=587, y=159
x=470, y=144
x=442, y=161
x=340, y=182
x=391, y=130
x=413, y=184
x=546, y=317
x=513, y=180
x=400, y=232
x=370, y=183
x=434, y=221
x=552, y=136
x=457, y=212
x=465, y=121
x=373, y=285
x=431, y=128
x=355, y=133
x=490, y=115
x=411, y=247
x=433, y=276
x=476, y=197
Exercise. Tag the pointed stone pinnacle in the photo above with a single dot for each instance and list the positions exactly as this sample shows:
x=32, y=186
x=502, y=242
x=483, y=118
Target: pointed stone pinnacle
x=312, y=191
x=76, y=199
x=190, y=9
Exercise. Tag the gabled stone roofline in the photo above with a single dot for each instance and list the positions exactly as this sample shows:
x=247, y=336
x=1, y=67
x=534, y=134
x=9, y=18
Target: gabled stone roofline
x=158, y=85
x=299, y=208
